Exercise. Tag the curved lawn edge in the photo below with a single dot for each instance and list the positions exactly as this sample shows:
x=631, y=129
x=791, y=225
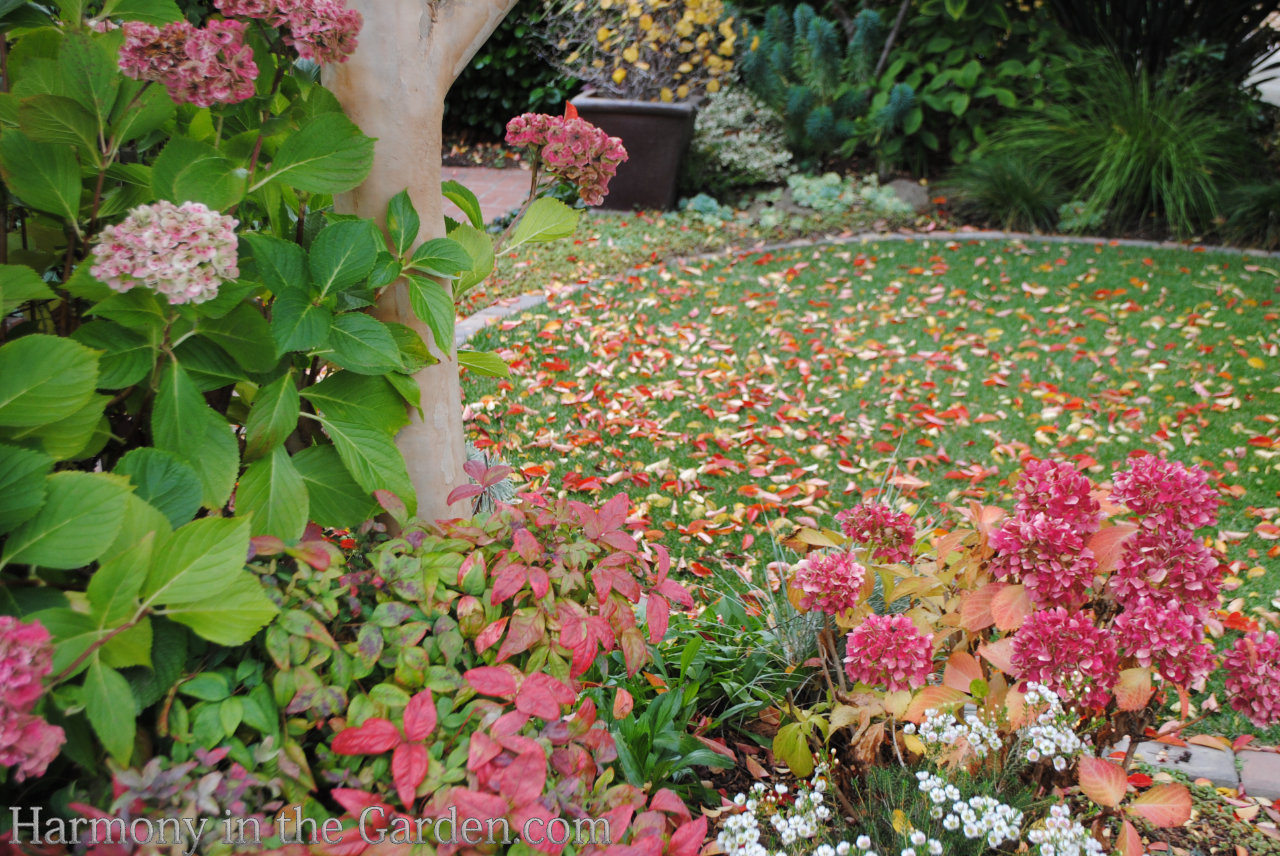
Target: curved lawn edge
x=468, y=327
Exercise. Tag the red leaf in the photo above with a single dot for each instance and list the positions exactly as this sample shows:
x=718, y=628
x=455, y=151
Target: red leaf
x=507, y=583
x=483, y=807
x=539, y=582
x=687, y=840
x=975, y=610
x=1130, y=843
x=622, y=703
x=408, y=769
x=961, y=671
x=526, y=545
x=491, y=680
x=1102, y=781
x=1164, y=806
x=999, y=654
x=265, y=545
x=1134, y=689
x=933, y=698
x=489, y=637
x=356, y=801
x=481, y=750
x=523, y=780
x=668, y=801
x=1242, y=741
x=1140, y=780
x=420, y=716
x=543, y=696
x=391, y=504
x=570, y=111
x=374, y=737
x=656, y=614
x=634, y=651
x=1010, y=607
x=463, y=491
x=525, y=630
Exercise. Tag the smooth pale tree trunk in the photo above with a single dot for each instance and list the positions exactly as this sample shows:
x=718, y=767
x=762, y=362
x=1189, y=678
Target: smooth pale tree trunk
x=393, y=87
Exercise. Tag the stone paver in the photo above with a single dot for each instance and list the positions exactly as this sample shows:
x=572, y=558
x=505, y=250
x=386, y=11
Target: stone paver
x=1260, y=774
x=1195, y=762
x=499, y=190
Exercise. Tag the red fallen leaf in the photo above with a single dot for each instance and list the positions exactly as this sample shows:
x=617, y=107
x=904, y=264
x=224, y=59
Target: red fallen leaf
x=491, y=680
x=1242, y=741
x=1163, y=806
x=374, y=737
x=933, y=698
x=408, y=769
x=623, y=703
x=1140, y=780
x=522, y=781
x=1236, y=621
x=420, y=716
x=1102, y=781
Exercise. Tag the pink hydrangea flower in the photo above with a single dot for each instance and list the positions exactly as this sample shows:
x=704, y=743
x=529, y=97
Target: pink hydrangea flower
x=890, y=534
x=1167, y=493
x=572, y=149
x=1168, y=639
x=1164, y=565
x=888, y=651
x=27, y=742
x=319, y=30
x=1067, y=653
x=1253, y=678
x=1061, y=492
x=197, y=66
x=185, y=252
x=1048, y=556
x=831, y=582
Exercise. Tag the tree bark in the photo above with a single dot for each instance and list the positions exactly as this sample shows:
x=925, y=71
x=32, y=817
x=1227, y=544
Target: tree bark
x=393, y=87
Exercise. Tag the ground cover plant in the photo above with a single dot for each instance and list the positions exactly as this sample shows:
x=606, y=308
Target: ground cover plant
x=725, y=395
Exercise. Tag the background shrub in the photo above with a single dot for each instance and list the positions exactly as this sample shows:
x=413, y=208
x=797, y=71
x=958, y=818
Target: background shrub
x=1008, y=190
x=737, y=143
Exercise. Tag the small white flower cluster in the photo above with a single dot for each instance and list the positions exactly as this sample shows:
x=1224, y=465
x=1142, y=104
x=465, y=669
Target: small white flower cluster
x=980, y=817
x=922, y=844
x=942, y=729
x=803, y=819
x=1050, y=736
x=1063, y=836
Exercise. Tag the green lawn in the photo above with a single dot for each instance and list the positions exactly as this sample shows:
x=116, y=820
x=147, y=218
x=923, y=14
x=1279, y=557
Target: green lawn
x=734, y=392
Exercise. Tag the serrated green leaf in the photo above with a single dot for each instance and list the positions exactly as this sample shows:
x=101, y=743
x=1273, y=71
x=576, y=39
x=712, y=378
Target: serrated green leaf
x=484, y=363
x=81, y=516
x=198, y=561
x=273, y=492
x=479, y=247
x=139, y=111
x=188, y=170
x=130, y=647
x=335, y=498
x=71, y=439
x=182, y=423
x=273, y=417
x=371, y=457
x=156, y=12
x=545, y=220
x=354, y=397
x=114, y=587
x=22, y=484
x=328, y=154
x=298, y=323
x=433, y=303
x=110, y=706
x=342, y=255
x=60, y=120
x=363, y=344
x=165, y=481
x=126, y=356
x=233, y=617
x=139, y=309
x=403, y=222
x=44, y=379
x=20, y=284
x=245, y=335
x=90, y=75
x=462, y=196
x=282, y=265
x=441, y=257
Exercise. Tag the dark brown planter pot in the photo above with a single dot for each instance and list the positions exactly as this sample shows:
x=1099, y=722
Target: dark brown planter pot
x=656, y=137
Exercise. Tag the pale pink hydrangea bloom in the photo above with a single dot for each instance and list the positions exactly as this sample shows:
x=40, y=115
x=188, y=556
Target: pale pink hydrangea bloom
x=1168, y=494
x=1061, y=492
x=27, y=742
x=197, y=66
x=1167, y=565
x=831, y=582
x=1046, y=555
x=888, y=651
x=1067, y=653
x=1167, y=638
x=184, y=252
x=572, y=149
x=889, y=534
x=319, y=30
x=1253, y=678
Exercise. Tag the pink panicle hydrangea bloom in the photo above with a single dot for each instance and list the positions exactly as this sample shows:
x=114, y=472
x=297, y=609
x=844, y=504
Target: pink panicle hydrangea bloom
x=889, y=534
x=27, y=742
x=1168, y=494
x=831, y=582
x=1046, y=555
x=572, y=149
x=197, y=66
x=1164, y=566
x=319, y=30
x=1059, y=491
x=1167, y=638
x=888, y=651
x=1067, y=653
x=182, y=251
x=1253, y=678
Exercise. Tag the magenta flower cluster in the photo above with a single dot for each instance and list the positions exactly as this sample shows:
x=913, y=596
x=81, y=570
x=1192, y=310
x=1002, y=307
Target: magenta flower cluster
x=889, y=534
x=572, y=149
x=1168, y=494
x=1043, y=545
x=888, y=651
x=1253, y=677
x=323, y=31
x=204, y=67
x=185, y=252
x=1165, y=638
x=1066, y=652
x=1167, y=566
x=830, y=582
x=27, y=742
